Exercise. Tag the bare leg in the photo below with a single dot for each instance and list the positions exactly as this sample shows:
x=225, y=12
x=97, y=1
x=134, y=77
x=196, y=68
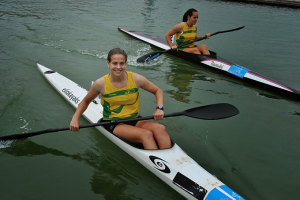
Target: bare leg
x=145, y=132
x=202, y=49
x=159, y=132
x=136, y=135
x=193, y=50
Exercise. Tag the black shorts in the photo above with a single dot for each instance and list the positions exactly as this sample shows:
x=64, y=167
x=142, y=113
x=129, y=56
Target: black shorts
x=111, y=127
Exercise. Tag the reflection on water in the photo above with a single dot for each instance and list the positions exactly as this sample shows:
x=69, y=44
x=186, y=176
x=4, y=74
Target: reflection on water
x=296, y=113
x=268, y=95
x=147, y=13
x=105, y=179
x=182, y=77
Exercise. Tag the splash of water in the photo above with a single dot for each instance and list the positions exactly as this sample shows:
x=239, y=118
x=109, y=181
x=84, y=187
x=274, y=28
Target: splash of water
x=6, y=143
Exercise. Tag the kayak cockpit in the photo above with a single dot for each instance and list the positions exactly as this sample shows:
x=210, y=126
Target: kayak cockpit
x=135, y=144
x=140, y=145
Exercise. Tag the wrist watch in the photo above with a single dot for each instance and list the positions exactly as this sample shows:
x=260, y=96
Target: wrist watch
x=160, y=107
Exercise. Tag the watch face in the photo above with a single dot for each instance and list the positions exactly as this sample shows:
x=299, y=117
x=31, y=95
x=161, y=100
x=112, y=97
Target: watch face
x=160, y=107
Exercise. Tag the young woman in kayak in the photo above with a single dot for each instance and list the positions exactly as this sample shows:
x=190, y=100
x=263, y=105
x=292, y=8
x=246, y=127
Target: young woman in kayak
x=120, y=100
x=186, y=31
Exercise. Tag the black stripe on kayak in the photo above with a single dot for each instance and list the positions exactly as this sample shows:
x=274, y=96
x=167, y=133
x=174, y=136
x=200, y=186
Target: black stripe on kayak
x=189, y=186
x=49, y=72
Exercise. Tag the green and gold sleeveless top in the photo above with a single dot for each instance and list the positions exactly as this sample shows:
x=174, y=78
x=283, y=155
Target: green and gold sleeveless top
x=120, y=103
x=186, y=36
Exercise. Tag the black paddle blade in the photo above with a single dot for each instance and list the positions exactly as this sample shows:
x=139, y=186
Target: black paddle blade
x=212, y=112
x=148, y=57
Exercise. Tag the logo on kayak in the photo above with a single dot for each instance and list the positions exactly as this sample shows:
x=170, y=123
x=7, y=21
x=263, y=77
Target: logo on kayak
x=217, y=65
x=160, y=164
x=71, y=95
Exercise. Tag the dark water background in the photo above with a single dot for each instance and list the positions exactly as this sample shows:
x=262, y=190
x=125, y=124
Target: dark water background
x=256, y=153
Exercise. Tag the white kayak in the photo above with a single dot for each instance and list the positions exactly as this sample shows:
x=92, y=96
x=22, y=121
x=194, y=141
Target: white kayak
x=173, y=165
x=218, y=64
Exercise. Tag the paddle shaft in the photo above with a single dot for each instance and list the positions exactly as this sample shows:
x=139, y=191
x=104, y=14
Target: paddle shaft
x=208, y=112
x=26, y=135
x=153, y=55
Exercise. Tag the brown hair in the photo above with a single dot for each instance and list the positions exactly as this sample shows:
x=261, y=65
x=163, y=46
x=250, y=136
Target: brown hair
x=116, y=51
x=189, y=12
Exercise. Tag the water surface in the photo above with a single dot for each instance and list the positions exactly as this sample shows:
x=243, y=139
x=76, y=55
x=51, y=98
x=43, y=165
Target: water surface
x=256, y=153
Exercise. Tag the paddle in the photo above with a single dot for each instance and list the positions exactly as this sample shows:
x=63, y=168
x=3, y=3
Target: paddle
x=208, y=112
x=153, y=55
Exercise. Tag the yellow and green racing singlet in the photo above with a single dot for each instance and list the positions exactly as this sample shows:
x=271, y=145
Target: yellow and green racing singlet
x=186, y=36
x=120, y=103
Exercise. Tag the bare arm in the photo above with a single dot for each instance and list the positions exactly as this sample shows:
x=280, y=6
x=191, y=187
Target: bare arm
x=178, y=28
x=147, y=85
x=95, y=90
x=207, y=35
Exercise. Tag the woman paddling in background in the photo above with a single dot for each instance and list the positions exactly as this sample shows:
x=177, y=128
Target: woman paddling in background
x=186, y=31
x=120, y=100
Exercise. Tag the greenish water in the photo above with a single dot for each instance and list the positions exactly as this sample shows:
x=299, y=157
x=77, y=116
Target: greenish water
x=256, y=153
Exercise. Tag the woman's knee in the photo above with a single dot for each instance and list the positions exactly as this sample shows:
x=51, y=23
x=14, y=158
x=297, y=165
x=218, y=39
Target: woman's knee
x=160, y=128
x=193, y=50
x=160, y=132
x=203, y=49
x=146, y=136
x=196, y=51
